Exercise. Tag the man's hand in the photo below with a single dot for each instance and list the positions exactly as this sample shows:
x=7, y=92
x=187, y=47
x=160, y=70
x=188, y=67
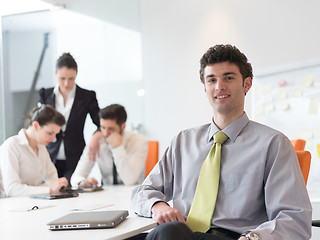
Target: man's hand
x=94, y=146
x=58, y=184
x=114, y=139
x=89, y=182
x=242, y=238
x=162, y=213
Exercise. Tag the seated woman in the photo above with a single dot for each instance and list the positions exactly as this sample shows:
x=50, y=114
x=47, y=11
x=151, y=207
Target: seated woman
x=25, y=164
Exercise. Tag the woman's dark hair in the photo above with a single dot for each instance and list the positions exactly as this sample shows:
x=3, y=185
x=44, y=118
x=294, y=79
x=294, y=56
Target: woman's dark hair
x=114, y=112
x=225, y=53
x=66, y=60
x=46, y=114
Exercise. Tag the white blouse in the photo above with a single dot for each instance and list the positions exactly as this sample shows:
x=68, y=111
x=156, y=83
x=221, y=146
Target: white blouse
x=23, y=172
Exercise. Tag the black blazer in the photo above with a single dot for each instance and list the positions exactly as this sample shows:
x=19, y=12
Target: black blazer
x=85, y=102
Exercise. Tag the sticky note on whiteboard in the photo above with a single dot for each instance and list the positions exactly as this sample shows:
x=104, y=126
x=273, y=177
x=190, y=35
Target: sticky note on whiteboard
x=308, y=80
x=297, y=92
x=313, y=106
x=284, y=106
x=282, y=95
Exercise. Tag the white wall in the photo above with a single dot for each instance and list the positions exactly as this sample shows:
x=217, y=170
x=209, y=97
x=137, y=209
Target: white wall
x=176, y=33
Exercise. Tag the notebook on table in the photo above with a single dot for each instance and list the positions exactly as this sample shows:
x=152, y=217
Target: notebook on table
x=58, y=195
x=89, y=220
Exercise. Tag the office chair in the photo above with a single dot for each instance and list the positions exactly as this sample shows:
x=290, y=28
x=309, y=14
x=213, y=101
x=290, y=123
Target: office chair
x=152, y=156
x=304, y=158
x=298, y=144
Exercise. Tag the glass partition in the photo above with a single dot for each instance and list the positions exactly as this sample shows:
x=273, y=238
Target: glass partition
x=108, y=56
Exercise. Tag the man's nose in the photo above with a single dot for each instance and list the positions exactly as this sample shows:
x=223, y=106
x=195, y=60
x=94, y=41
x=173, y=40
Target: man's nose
x=106, y=133
x=220, y=85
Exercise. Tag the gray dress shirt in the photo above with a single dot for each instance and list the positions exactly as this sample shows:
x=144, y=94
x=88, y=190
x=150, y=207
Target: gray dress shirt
x=261, y=186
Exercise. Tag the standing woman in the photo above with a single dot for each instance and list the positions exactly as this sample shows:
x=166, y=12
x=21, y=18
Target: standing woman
x=74, y=103
x=25, y=164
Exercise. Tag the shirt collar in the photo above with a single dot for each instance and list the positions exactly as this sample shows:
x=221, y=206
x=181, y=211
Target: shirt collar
x=72, y=92
x=23, y=140
x=232, y=131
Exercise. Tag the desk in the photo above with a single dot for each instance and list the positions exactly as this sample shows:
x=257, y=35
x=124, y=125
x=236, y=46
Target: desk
x=32, y=224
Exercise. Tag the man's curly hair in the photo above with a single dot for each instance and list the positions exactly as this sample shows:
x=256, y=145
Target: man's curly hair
x=225, y=53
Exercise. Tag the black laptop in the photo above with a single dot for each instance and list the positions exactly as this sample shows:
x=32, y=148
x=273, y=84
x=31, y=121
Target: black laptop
x=81, y=189
x=58, y=195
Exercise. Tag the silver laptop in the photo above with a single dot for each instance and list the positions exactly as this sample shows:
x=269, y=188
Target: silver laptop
x=89, y=220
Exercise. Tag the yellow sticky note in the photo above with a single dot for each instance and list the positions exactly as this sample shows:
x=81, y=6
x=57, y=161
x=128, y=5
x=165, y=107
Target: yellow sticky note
x=282, y=95
x=284, y=106
x=313, y=106
x=318, y=150
x=308, y=80
x=297, y=92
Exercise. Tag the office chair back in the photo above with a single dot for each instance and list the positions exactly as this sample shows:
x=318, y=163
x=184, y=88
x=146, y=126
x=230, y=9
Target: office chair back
x=152, y=157
x=298, y=144
x=304, y=157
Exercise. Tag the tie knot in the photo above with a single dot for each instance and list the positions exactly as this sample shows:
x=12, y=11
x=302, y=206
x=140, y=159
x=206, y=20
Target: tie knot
x=220, y=137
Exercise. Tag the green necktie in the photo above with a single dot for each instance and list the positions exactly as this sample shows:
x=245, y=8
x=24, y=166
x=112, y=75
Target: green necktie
x=200, y=215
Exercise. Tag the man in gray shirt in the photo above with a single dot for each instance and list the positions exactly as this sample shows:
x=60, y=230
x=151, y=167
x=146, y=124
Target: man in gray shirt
x=261, y=193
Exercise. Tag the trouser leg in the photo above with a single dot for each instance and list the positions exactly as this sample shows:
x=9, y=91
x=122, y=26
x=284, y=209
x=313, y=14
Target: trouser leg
x=171, y=231
x=211, y=236
x=180, y=231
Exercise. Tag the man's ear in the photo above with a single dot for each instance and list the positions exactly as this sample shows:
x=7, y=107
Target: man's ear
x=247, y=83
x=123, y=126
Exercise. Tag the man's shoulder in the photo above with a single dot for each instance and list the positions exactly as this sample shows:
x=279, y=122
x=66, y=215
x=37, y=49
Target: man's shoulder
x=264, y=130
x=197, y=129
x=263, y=127
x=194, y=132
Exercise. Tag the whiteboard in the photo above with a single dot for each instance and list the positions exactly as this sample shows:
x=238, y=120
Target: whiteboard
x=287, y=98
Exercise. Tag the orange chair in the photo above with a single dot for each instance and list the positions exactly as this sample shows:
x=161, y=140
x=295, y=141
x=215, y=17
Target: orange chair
x=304, y=157
x=152, y=157
x=298, y=144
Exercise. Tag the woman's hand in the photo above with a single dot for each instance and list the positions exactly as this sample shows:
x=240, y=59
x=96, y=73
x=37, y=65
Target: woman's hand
x=58, y=184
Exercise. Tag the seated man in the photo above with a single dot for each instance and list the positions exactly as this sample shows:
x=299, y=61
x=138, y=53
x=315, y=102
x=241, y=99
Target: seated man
x=122, y=153
x=231, y=178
